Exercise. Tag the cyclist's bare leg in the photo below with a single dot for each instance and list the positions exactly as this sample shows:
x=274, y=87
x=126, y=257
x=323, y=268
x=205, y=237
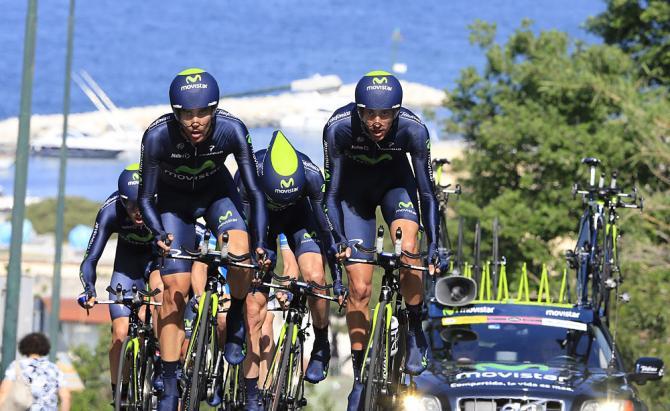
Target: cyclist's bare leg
x=198, y=278
x=256, y=311
x=171, y=315
x=312, y=269
x=358, y=312
x=119, y=333
x=155, y=281
x=239, y=279
x=267, y=347
x=411, y=281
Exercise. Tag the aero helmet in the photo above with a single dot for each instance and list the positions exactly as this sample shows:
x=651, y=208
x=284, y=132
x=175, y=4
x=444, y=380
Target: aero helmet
x=194, y=88
x=129, y=183
x=378, y=90
x=282, y=174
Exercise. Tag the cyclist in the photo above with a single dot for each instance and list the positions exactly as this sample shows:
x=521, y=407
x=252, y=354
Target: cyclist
x=365, y=152
x=292, y=185
x=182, y=162
x=132, y=262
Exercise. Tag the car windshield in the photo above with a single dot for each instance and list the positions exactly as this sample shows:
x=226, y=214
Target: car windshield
x=521, y=344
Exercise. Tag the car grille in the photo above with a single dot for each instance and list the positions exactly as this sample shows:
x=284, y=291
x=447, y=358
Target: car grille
x=509, y=404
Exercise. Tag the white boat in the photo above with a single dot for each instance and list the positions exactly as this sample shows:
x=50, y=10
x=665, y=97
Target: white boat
x=79, y=145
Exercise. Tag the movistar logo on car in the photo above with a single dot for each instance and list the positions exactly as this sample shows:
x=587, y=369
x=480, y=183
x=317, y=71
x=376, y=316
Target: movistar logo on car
x=510, y=374
x=561, y=313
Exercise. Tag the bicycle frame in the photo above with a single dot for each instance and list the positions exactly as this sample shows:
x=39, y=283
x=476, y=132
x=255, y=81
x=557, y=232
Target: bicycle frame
x=292, y=330
x=391, y=380
x=140, y=340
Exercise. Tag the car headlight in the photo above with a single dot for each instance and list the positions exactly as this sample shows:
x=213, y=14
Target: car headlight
x=608, y=405
x=419, y=402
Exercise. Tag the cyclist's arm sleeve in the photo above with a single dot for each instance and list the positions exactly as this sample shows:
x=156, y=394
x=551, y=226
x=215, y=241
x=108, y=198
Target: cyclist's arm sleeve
x=103, y=228
x=315, y=193
x=149, y=172
x=246, y=163
x=420, y=152
x=333, y=170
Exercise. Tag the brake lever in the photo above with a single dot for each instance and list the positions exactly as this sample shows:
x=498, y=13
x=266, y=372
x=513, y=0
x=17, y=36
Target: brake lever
x=344, y=300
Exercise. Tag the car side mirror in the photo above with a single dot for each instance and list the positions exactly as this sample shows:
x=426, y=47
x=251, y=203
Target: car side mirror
x=647, y=369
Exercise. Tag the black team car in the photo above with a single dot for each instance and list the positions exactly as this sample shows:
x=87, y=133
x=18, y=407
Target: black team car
x=523, y=355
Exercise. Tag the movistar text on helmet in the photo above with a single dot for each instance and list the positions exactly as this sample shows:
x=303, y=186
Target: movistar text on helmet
x=192, y=86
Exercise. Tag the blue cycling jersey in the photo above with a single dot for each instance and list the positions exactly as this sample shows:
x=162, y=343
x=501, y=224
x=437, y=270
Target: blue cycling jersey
x=355, y=166
x=170, y=163
x=134, y=246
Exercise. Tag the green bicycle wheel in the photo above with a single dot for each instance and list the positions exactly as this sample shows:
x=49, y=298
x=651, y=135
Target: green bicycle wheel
x=125, y=396
x=198, y=376
x=375, y=378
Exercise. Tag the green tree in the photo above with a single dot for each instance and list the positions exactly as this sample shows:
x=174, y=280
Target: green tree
x=78, y=210
x=641, y=28
x=93, y=369
x=541, y=104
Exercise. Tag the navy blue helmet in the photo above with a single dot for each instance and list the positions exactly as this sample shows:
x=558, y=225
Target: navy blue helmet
x=129, y=183
x=194, y=88
x=378, y=90
x=282, y=175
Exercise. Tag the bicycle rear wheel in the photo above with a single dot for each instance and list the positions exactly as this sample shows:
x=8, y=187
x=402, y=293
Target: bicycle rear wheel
x=148, y=398
x=276, y=395
x=198, y=375
x=125, y=396
x=234, y=388
x=377, y=368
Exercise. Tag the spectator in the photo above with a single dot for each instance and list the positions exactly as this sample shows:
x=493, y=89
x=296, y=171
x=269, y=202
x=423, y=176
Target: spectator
x=45, y=379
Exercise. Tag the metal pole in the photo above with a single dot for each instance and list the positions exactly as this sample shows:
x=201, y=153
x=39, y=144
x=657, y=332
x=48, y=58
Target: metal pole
x=20, y=179
x=54, y=318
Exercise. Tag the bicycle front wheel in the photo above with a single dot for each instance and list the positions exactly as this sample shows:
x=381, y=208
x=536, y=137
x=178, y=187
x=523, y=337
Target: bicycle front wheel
x=198, y=375
x=125, y=395
x=377, y=360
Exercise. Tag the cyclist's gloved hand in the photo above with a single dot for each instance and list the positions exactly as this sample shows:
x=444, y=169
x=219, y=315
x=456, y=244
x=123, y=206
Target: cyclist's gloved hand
x=284, y=298
x=87, y=298
x=340, y=291
x=267, y=259
x=433, y=259
x=163, y=242
x=340, y=251
x=442, y=265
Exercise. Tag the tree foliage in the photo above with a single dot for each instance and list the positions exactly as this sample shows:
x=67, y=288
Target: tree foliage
x=93, y=369
x=642, y=29
x=78, y=210
x=541, y=104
